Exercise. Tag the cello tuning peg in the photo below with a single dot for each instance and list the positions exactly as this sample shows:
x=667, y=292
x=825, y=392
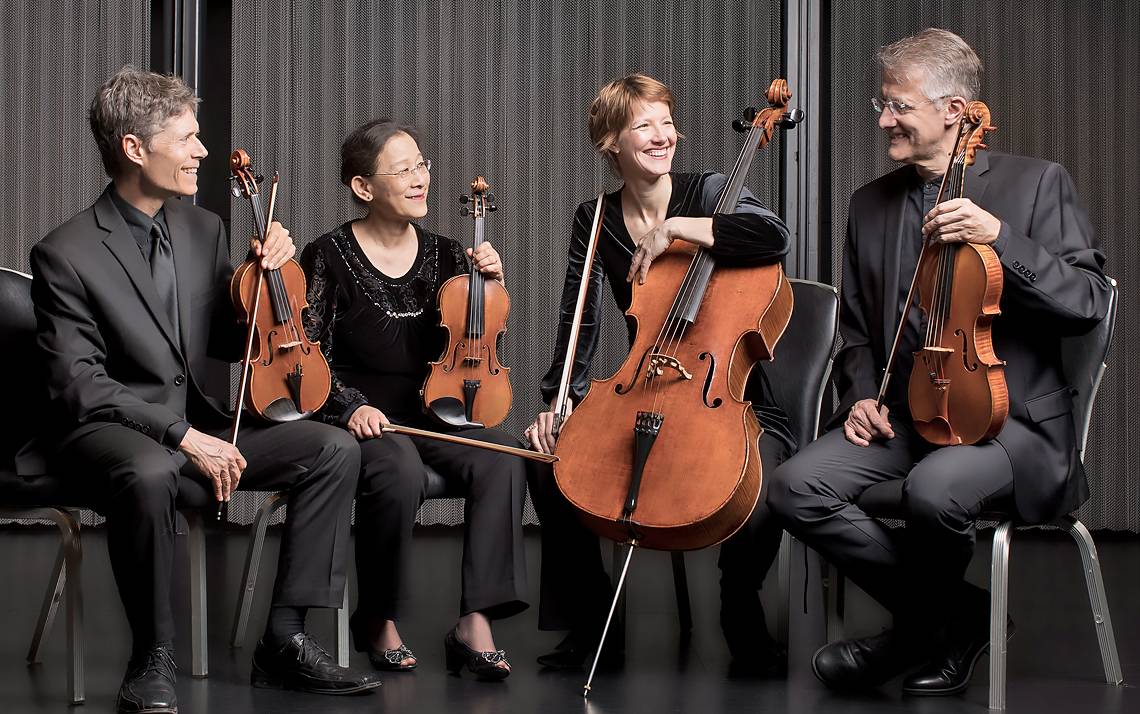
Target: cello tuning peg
x=750, y=114
x=741, y=125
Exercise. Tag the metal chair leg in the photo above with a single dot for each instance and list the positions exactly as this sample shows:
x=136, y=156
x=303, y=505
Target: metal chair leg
x=999, y=609
x=681, y=588
x=52, y=595
x=1097, y=600
x=342, y=632
x=252, y=563
x=196, y=546
x=784, y=586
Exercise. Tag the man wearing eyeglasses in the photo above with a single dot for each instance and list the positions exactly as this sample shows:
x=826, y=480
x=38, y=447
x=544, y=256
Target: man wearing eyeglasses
x=1026, y=210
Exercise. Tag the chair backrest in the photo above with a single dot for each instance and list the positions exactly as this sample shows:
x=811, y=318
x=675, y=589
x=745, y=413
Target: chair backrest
x=802, y=363
x=23, y=385
x=1084, y=359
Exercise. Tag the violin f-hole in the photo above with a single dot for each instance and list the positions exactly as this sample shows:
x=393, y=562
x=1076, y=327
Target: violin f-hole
x=709, y=380
x=970, y=367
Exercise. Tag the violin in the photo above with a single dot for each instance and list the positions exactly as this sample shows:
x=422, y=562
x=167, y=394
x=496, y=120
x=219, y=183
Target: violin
x=957, y=391
x=284, y=375
x=468, y=387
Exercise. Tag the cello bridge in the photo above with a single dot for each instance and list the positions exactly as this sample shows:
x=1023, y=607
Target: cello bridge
x=658, y=363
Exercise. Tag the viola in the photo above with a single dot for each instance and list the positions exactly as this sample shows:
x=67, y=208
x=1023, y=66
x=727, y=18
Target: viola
x=468, y=387
x=957, y=391
x=284, y=375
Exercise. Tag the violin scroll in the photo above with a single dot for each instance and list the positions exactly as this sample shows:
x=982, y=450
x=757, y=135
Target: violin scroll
x=976, y=123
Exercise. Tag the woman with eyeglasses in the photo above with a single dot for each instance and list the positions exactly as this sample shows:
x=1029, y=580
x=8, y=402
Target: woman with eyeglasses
x=373, y=284
x=631, y=125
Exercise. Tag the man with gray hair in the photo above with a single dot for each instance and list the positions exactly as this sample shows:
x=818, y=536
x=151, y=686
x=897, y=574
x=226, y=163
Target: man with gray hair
x=131, y=297
x=1026, y=211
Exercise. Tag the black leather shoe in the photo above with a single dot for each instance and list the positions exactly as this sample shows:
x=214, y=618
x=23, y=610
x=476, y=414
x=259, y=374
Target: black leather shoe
x=577, y=649
x=484, y=665
x=383, y=660
x=303, y=665
x=950, y=673
x=148, y=687
x=754, y=652
x=863, y=663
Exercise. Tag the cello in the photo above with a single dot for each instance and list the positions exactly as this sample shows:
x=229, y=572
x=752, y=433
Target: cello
x=649, y=477
x=957, y=392
x=468, y=387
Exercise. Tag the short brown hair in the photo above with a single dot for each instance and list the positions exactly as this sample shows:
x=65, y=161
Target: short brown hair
x=612, y=109
x=135, y=102
x=948, y=66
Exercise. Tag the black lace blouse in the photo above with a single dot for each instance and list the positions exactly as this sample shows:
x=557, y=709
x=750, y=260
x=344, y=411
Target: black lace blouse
x=377, y=332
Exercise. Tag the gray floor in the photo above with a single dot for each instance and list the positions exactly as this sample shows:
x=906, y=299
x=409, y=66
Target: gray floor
x=1053, y=666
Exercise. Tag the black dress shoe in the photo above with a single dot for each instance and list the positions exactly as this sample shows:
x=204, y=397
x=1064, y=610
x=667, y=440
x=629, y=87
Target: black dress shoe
x=383, y=660
x=484, y=665
x=950, y=673
x=148, y=687
x=303, y=665
x=577, y=649
x=754, y=652
x=863, y=663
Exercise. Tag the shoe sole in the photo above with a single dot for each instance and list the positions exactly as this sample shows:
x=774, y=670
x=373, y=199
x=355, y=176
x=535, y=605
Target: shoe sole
x=262, y=681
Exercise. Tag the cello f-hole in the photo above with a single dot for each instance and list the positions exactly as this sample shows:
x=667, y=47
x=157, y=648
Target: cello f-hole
x=709, y=380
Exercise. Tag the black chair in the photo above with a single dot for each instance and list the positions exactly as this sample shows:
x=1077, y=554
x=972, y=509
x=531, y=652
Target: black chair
x=435, y=487
x=798, y=375
x=47, y=496
x=1084, y=361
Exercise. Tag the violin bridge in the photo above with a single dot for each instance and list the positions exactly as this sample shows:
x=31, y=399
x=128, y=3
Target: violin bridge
x=288, y=345
x=658, y=363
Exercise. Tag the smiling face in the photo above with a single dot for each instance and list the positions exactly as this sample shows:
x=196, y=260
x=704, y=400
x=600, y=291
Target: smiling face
x=168, y=161
x=923, y=134
x=392, y=196
x=645, y=147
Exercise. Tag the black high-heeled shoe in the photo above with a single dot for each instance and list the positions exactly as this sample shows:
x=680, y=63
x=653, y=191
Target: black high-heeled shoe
x=383, y=660
x=483, y=665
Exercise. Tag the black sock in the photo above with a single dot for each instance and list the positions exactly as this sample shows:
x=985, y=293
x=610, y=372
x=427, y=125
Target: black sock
x=284, y=622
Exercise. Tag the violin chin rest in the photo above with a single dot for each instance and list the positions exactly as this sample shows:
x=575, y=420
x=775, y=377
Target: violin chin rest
x=283, y=410
x=451, y=411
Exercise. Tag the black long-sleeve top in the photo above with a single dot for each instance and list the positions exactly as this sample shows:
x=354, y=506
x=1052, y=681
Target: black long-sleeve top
x=377, y=332
x=751, y=235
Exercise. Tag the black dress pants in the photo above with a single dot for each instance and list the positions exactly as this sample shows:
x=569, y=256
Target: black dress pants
x=134, y=482
x=575, y=590
x=916, y=572
x=390, y=492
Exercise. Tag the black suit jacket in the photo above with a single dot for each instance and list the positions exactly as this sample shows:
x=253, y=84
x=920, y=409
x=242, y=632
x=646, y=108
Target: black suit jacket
x=1053, y=287
x=108, y=350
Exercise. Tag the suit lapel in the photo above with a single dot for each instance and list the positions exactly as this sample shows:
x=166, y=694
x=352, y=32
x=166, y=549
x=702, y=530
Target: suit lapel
x=123, y=246
x=892, y=237
x=977, y=178
x=181, y=242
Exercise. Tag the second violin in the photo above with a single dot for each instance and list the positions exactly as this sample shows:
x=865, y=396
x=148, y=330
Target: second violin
x=467, y=386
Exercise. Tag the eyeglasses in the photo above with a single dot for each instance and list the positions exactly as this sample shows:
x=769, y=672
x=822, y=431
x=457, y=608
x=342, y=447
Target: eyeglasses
x=898, y=108
x=404, y=174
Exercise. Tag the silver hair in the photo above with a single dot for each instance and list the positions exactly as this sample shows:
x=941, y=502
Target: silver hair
x=942, y=62
x=135, y=102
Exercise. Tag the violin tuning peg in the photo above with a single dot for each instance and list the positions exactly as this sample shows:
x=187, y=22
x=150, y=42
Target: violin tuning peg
x=465, y=211
x=464, y=198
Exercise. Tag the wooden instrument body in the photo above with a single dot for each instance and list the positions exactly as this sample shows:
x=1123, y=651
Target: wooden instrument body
x=703, y=473
x=957, y=391
x=289, y=378
x=468, y=360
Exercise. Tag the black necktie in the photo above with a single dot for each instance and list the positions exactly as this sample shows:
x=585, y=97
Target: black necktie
x=162, y=270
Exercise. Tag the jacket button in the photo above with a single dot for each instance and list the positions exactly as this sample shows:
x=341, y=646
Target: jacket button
x=179, y=380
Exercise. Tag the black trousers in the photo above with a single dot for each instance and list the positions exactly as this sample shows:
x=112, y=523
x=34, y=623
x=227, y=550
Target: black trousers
x=575, y=590
x=390, y=492
x=917, y=572
x=134, y=482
